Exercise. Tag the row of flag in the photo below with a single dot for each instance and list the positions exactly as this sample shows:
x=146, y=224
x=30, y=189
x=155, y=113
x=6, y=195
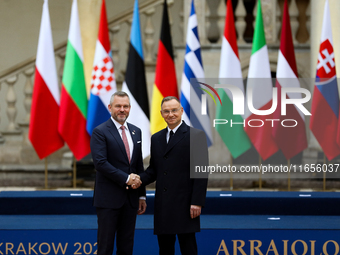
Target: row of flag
x=72, y=117
x=267, y=140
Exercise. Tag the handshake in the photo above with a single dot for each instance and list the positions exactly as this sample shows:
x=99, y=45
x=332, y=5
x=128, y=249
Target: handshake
x=134, y=181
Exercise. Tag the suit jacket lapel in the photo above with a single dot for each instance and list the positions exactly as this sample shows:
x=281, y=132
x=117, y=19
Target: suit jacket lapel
x=162, y=141
x=115, y=133
x=178, y=136
x=134, y=140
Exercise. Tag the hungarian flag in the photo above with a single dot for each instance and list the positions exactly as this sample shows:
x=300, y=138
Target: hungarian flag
x=291, y=140
x=165, y=81
x=135, y=83
x=259, y=81
x=43, y=130
x=234, y=137
x=325, y=103
x=103, y=83
x=73, y=106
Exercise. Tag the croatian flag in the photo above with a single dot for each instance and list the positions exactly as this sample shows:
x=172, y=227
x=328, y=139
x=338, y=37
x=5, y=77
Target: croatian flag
x=325, y=103
x=103, y=83
x=193, y=68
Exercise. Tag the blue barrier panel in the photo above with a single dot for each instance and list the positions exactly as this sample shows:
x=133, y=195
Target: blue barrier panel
x=228, y=234
x=233, y=203
x=238, y=223
x=269, y=242
x=218, y=241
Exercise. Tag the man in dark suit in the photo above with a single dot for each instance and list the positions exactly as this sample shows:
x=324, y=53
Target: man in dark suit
x=117, y=156
x=179, y=198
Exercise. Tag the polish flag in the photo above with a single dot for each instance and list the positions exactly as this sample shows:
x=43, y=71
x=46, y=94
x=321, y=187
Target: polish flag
x=43, y=130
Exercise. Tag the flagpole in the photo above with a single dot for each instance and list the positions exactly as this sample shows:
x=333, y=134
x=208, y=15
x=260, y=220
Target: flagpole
x=288, y=163
x=46, y=174
x=231, y=173
x=74, y=172
x=324, y=173
x=260, y=177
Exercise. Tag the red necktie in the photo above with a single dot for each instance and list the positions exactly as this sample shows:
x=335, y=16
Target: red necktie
x=125, y=141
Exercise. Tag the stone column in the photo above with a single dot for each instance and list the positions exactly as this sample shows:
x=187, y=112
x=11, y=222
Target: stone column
x=149, y=41
x=240, y=23
x=1, y=137
x=201, y=19
x=269, y=20
x=89, y=15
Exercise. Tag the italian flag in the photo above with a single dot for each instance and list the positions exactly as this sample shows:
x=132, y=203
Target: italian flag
x=234, y=137
x=259, y=81
x=73, y=106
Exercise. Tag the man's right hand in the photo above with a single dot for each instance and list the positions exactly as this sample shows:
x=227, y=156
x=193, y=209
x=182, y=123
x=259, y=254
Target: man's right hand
x=134, y=181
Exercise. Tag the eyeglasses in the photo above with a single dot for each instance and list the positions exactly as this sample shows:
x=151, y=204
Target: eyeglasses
x=173, y=111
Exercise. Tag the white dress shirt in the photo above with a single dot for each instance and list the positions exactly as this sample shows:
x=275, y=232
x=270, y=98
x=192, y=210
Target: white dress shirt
x=173, y=130
x=127, y=132
x=129, y=138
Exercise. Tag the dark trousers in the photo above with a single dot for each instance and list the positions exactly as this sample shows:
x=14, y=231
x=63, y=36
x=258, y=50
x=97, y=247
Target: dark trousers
x=187, y=244
x=119, y=223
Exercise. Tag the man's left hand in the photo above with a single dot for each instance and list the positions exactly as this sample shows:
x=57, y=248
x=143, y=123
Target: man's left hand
x=195, y=211
x=142, y=206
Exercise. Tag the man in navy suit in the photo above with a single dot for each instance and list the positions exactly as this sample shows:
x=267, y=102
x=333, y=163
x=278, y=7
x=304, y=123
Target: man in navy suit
x=117, y=156
x=179, y=198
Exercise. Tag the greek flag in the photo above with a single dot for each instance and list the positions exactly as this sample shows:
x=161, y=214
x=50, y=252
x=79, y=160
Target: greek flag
x=190, y=88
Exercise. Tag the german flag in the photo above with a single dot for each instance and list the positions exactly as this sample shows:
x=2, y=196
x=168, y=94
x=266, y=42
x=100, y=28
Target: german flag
x=165, y=80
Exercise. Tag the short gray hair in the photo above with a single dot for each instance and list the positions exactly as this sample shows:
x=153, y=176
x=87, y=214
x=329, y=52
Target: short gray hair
x=165, y=99
x=119, y=94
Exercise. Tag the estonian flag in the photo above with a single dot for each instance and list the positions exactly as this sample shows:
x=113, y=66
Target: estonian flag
x=135, y=84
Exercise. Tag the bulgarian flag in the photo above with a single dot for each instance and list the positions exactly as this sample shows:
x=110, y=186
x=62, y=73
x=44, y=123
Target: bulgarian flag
x=234, y=137
x=165, y=81
x=73, y=106
x=291, y=140
x=259, y=81
x=43, y=130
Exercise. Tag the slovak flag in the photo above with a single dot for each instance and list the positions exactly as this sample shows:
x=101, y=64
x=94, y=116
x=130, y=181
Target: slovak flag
x=325, y=104
x=103, y=83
